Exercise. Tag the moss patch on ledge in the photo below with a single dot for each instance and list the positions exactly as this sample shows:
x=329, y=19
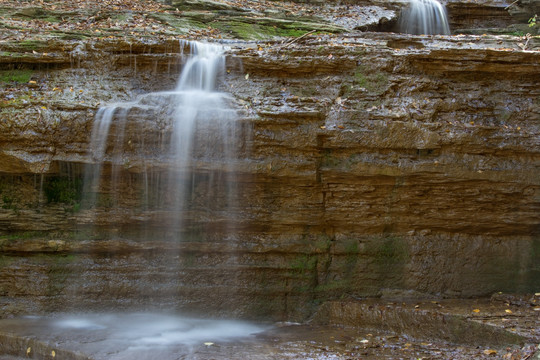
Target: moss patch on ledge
x=266, y=28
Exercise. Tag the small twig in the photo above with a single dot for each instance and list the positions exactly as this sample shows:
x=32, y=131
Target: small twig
x=298, y=38
x=506, y=8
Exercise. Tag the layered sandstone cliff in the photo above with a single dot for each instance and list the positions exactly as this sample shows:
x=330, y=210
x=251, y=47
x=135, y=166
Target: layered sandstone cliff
x=370, y=164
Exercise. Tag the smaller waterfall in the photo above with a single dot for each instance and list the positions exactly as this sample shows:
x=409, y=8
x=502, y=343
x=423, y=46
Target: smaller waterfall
x=424, y=17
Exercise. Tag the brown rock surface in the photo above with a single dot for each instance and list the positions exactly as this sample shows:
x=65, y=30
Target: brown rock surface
x=369, y=162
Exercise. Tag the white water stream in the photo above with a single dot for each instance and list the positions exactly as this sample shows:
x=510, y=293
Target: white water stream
x=173, y=136
x=424, y=17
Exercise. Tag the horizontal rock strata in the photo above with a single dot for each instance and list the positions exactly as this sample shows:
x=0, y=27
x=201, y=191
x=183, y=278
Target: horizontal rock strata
x=366, y=163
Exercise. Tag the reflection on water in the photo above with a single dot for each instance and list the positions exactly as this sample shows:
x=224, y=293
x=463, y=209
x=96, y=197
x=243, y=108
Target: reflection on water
x=134, y=335
x=144, y=329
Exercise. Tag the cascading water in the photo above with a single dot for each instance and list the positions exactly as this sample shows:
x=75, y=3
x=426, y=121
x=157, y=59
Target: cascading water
x=182, y=142
x=424, y=17
x=170, y=153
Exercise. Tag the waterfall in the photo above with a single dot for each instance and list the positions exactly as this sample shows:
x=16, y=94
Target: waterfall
x=427, y=17
x=181, y=144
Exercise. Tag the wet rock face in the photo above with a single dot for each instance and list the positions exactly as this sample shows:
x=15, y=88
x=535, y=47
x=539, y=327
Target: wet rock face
x=524, y=10
x=369, y=164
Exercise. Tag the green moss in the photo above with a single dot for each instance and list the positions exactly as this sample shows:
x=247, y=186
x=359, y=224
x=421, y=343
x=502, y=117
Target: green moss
x=51, y=19
x=390, y=251
x=63, y=190
x=24, y=235
x=32, y=44
x=71, y=35
x=185, y=22
x=373, y=81
x=5, y=261
x=262, y=30
x=9, y=197
x=303, y=264
x=19, y=76
x=322, y=244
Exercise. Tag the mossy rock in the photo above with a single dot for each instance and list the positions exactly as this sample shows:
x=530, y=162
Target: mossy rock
x=267, y=28
x=15, y=75
x=198, y=5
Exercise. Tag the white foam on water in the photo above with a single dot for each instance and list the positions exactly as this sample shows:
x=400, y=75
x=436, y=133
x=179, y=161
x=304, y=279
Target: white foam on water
x=147, y=330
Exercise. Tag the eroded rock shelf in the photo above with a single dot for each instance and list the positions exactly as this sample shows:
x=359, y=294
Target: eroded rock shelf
x=371, y=164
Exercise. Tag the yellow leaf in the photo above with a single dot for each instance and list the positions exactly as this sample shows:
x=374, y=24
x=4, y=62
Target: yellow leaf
x=28, y=351
x=247, y=76
x=44, y=107
x=490, y=352
x=53, y=353
x=208, y=343
x=32, y=82
x=476, y=310
x=508, y=311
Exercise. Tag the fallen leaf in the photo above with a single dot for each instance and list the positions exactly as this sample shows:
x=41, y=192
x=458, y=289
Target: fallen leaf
x=247, y=76
x=53, y=353
x=208, y=343
x=341, y=127
x=490, y=352
x=32, y=82
x=28, y=351
x=508, y=311
x=476, y=310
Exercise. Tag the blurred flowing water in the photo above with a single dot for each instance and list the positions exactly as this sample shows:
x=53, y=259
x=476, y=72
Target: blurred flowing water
x=424, y=17
x=172, y=139
x=128, y=335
